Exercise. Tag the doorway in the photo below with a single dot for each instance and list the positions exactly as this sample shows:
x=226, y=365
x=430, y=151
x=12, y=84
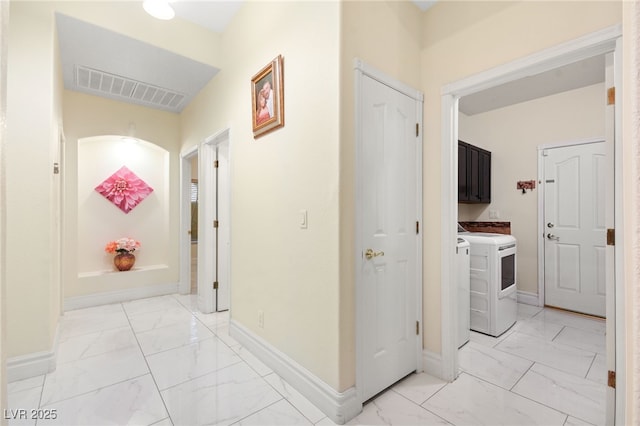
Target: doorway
x=188, y=222
x=212, y=261
x=388, y=237
x=193, y=230
x=606, y=41
x=214, y=224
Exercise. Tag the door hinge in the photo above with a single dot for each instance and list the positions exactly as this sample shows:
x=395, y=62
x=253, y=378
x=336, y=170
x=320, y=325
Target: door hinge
x=417, y=328
x=417, y=227
x=611, y=379
x=611, y=237
x=611, y=95
x=56, y=168
x=417, y=129
x=216, y=164
x=215, y=223
x=215, y=285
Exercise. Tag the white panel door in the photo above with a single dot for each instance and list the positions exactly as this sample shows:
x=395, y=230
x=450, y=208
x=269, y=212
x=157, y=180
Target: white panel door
x=575, y=235
x=389, y=187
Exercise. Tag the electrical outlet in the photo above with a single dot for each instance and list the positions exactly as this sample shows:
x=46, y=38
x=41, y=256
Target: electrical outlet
x=494, y=214
x=261, y=318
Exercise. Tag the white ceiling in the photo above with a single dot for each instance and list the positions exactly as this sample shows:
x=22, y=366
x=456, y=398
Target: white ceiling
x=572, y=76
x=167, y=81
x=214, y=15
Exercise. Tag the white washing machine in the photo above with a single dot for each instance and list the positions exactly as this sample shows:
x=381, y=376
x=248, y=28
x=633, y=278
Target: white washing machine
x=493, y=294
x=463, y=257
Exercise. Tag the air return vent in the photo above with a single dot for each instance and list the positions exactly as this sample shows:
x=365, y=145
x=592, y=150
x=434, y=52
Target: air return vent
x=116, y=86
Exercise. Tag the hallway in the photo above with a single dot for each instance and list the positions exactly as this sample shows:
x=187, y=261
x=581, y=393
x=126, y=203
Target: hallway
x=158, y=361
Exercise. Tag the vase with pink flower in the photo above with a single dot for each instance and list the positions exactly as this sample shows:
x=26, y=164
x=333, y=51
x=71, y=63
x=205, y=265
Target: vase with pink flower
x=124, y=247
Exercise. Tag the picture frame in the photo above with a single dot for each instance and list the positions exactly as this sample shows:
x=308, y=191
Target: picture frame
x=267, y=98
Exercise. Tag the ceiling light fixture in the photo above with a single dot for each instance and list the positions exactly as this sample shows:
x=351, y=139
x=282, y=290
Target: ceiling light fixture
x=159, y=9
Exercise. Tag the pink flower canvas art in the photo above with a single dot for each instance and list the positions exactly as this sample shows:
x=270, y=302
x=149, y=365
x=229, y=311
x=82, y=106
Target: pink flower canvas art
x=124, y=189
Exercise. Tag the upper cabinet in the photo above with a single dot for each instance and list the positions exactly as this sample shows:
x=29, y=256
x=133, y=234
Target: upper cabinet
x=474, y=174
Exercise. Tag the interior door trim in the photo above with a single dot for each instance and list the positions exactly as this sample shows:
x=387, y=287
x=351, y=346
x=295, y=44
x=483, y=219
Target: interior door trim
x=596, y=43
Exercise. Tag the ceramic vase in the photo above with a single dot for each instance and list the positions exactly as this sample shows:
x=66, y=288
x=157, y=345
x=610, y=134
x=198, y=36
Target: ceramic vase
x=124, y=261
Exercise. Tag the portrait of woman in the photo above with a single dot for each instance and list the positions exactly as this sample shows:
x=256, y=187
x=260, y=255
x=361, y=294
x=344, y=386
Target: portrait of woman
x=267, y=96
x=262, y=112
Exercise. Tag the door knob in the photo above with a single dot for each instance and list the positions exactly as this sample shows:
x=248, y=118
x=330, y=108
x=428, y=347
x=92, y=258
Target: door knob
x=370, y=254
x=550, y=225
x=553, y=237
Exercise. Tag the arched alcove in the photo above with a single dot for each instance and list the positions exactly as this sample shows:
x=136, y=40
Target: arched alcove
x=99, y=220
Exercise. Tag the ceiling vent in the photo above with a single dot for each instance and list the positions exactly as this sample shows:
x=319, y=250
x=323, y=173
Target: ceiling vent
x=118, y=87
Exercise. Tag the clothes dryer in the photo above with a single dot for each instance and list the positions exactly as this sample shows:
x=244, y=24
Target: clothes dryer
x=493, y=293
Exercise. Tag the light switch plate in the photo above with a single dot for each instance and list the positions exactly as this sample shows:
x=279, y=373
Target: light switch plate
x=303, y=219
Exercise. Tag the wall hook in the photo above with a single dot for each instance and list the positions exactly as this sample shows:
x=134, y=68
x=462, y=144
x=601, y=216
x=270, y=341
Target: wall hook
x=526, y=184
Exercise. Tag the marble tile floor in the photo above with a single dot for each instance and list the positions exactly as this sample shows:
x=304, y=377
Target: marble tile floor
x=158, y=361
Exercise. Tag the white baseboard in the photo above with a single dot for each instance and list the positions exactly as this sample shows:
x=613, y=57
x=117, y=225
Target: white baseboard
x=184, y=288
x=106, y=298
x=528, y=298
x=34, y=364
x=340, y=407
x=432, y=363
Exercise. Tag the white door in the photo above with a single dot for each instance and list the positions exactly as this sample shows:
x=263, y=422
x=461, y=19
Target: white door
x=388, y=186
x=575, y=179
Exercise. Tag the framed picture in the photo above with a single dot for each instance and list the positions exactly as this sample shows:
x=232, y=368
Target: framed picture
x=267, y=98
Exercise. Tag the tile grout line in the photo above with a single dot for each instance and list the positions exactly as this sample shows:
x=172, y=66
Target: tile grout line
x=164, y=404
x=287, y=399
x=521, y=377
x=545, y=405
x=526, y=397
x=40, y=406
x=94, y=390
x=420, y=405
x=263, y=408
x=593, y=361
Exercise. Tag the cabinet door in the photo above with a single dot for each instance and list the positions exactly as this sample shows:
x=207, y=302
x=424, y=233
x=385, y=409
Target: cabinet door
x=463, y=175
x=474, y=173
x=484, y=176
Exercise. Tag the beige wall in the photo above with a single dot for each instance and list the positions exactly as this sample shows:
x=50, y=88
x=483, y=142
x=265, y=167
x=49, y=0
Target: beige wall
x=86, y=116
x=513, y=134
x=33, y=128
x=4, y=28
x=291, y=274
x=461, y=39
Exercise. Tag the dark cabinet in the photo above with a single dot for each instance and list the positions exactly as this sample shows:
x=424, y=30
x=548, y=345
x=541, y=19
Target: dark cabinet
x=474, y=174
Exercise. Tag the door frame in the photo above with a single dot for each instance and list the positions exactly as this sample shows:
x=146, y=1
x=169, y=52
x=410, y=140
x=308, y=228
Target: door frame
x=600, y=42
x=206, y=151
x=362, y=69
x=207, y=204
x=541, y=194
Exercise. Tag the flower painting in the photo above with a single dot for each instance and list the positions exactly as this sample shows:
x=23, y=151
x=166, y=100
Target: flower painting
x=124, y=189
